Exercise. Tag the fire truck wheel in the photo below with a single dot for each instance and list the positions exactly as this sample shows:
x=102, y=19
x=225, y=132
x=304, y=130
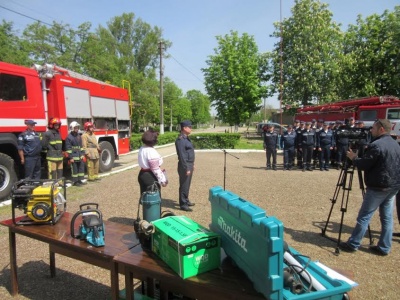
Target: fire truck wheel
x=7, y=176
x=107, y=157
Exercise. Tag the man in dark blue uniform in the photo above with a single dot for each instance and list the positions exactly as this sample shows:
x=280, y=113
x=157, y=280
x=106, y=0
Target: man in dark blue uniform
x=325, y=143
x=307, y=142
x=288, y=142
x=299, y=154
x=342, y=146
x=29, y=148
x=271, y=145
x=185, y=151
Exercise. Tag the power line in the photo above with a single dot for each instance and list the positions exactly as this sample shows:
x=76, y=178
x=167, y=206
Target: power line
x=26, y=16
x=186, y=68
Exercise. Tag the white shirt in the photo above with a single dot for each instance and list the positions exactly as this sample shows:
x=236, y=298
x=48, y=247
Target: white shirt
x=150, y=159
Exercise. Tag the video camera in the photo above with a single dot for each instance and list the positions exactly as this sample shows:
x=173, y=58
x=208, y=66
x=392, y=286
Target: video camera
x=359, y=138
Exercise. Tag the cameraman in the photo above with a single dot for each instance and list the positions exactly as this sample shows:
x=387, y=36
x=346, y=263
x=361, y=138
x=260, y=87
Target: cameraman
x=382, y=177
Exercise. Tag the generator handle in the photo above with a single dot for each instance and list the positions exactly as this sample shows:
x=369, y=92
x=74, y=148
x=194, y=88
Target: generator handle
x=81, y=212
x=88, y=204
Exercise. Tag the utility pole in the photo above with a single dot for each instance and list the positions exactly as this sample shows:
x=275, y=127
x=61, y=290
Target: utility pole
x=161, y=48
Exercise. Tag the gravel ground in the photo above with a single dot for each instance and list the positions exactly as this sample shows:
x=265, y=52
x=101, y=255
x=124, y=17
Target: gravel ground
x=300, y=200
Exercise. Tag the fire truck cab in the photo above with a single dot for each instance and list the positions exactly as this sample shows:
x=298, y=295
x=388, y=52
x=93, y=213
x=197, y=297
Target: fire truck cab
x=365, y=109
x=47, y=91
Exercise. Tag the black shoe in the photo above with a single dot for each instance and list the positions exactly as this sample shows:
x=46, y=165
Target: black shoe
x=97, y=179
x=377, y=251
x=326, y=169
x=190, y=203
x=82, y=182
x=186, y=208
x=396, y=234
x=309, y=169
x=77, y=183
x=321, y=169
x=346, y=247
x=304, y=170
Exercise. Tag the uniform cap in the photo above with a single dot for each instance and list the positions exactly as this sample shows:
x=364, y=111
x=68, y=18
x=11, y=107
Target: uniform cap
x=313, y=120
x=297, y=121
x=321, y=120
x=326, y=124
x=351, y=118
x=30, y=122
x=290, y=126
x=308, y=123
x=186, y=123
x=338, y=122
x=332, y=123
x=301, y=122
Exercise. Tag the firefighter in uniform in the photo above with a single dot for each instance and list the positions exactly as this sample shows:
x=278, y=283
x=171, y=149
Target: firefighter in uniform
x=76, y=155
x=185, y=152
x=325, y=143
x=270, y=146
x=91, y=149
x=307, y=142
x=52, y=144
x=29, y=148
x=299, y=154
x=342, y=146
x=316, y=160
x=288, y=141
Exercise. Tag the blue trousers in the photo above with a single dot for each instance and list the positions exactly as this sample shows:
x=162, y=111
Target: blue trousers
x=32, y=167
x=374, y=199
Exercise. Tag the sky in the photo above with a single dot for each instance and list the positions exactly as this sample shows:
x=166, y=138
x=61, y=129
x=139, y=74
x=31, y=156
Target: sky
x=191, y=25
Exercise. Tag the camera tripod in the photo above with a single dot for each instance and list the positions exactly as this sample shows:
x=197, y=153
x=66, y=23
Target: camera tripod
x=343, y=187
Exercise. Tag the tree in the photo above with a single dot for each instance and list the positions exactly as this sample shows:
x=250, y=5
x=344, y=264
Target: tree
x=200, y=106
x=311, y=55
x=232, y=78
x=11, y=49
x=373, y=56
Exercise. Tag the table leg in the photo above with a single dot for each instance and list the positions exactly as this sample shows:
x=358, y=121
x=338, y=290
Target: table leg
x=114, y=281
x=52, y=262
x=13, y=262
x=129, y=284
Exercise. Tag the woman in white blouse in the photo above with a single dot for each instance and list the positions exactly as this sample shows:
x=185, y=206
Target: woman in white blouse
x=150, y=162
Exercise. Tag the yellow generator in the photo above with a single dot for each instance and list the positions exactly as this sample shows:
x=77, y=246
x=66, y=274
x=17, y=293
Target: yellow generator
x=42, y=201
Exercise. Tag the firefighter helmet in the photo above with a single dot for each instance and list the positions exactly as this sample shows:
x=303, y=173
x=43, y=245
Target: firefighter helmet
x=54, y=121
x=73, y=125
x=87, y=125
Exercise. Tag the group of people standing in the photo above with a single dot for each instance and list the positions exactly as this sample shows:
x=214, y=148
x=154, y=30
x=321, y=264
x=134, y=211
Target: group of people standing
x=79, y=149
x=150, y=162
x=313, y=144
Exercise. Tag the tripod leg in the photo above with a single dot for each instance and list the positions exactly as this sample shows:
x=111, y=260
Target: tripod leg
x=339, y=185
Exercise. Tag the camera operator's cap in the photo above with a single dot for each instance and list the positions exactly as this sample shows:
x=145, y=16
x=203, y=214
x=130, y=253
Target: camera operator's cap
x=186, y=123
x=308, y=123
x=30, y=122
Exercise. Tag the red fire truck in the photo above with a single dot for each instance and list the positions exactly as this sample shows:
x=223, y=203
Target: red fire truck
x=365, y=109
x=47, y=91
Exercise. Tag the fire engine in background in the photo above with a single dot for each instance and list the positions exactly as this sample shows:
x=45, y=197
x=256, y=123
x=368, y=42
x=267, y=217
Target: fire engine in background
x=46, y=91
x=365, y=109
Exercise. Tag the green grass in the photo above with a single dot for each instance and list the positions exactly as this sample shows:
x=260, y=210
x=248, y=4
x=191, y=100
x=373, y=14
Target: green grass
x=250, y=143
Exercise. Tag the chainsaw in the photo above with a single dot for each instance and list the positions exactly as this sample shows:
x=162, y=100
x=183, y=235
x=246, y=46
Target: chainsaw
x=92, y=228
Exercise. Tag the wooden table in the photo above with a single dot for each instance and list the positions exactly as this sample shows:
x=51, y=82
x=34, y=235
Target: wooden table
x=227, y=282
x=119, y=238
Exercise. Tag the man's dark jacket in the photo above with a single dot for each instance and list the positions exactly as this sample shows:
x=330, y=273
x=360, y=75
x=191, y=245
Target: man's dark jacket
x=381, y=163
